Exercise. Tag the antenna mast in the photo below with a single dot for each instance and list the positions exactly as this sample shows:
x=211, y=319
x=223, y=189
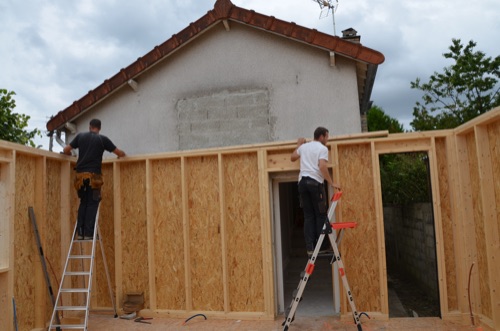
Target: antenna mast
x=327, y=6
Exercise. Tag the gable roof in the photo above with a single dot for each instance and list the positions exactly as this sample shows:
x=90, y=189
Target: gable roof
x=224, y=11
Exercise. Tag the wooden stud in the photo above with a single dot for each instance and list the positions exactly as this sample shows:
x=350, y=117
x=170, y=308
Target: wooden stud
x=186, y=233
x=438, y=226
x=118, y=237
x=224, y=251
x=150, y=236
x=491, y=228
x=379, y=218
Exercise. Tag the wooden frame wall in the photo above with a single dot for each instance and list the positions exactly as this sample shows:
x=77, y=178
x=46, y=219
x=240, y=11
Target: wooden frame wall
x=192, y=230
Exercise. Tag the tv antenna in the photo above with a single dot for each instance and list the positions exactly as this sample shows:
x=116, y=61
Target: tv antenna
x=328, y=6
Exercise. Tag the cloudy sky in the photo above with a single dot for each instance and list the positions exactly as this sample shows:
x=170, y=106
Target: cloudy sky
x=54, y=51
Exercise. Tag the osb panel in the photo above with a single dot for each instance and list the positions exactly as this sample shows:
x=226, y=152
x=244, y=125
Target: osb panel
x=243, y=233
x=482, y=262
x=107, y=228
x=51, y=238
x=494, y=139
x=204, y=233
x=447, y=223
x=135, y=268
x=25, y=252
x=360, y=246
x=168, y=228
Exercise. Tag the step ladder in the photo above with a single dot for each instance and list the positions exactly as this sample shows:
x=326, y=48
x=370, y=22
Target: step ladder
x=79, y=266
x=305, y=275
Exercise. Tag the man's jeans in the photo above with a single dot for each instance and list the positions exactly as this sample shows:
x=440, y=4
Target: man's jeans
x=89, y=203
x=313, y=202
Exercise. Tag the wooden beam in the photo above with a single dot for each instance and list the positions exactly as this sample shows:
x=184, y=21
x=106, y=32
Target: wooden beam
x=466, y=237
x=332, y=59
x=491, y=228
x=185, y=221
x=40, y=211
x=226, y=25
x=379, y=212
x=457, y=218
x=151, y=237
x=117, y=208
x=223, y=234
x=438, y=228
x=266, y=230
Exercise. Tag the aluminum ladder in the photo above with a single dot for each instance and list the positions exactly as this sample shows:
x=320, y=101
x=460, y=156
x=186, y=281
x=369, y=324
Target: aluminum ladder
x=78, y=253
x=305, y=275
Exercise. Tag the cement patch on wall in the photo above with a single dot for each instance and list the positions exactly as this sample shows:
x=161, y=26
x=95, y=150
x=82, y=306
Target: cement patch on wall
x=224, y=118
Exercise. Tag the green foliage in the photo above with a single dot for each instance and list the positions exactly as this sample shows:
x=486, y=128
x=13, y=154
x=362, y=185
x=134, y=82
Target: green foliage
x=404, y=178
x=378, y=120
x=13, y=124
x=464, y=90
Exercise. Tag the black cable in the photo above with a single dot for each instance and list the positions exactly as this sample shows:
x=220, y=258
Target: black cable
x=193, y=317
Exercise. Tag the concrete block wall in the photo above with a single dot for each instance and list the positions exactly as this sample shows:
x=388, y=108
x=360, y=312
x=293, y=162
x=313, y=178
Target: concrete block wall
x=211, y=120
x=410, y=242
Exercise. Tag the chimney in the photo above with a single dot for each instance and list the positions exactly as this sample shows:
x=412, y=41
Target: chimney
x=351, y=35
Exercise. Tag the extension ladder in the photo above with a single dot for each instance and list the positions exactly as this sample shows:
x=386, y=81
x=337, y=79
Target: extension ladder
x=305, y=275
x=78, y=253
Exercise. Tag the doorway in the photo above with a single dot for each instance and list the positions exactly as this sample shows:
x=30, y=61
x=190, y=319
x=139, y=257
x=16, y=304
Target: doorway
x=320, y=297
x=409, y=231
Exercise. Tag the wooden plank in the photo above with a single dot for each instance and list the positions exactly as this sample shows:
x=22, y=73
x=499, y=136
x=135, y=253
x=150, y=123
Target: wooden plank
x=134, y=229
x=223, y=232
x=52, y=230
x=25, y=252
x=403, y=145
x=491, y=227
x=379, y=218
x=244, y=233
x=117, y=220
x=360, y=246
x=438, y=229
x=205, y=237
x=150, y=236
x=107, y=229
x=446, y=187
x=187, y=235
x=167, y=223
x=266, y=235
x=478, y=227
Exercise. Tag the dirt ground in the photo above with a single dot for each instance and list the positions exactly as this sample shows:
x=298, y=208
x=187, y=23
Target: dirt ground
x=108, y=323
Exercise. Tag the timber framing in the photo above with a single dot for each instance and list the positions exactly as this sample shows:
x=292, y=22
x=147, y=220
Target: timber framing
x=193, y=229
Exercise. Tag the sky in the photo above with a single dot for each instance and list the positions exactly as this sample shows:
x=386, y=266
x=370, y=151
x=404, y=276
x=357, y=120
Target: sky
x=54, y=51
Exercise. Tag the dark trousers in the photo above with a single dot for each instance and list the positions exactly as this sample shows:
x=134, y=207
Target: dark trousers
x=313, y=202
x=89, y=203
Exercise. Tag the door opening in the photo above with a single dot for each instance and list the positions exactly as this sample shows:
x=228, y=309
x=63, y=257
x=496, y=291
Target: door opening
x=319, y=298
x=410, y=241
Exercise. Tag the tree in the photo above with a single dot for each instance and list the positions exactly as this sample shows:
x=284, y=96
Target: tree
x=378, y=120
x=403, y=176
x=13, y=124
x=466, y=89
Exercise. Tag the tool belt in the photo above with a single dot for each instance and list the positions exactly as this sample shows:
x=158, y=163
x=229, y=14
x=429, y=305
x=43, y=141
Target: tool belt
x=95, y=180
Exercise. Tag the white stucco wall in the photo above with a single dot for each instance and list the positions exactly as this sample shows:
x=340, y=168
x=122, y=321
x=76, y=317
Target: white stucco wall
x=304, y=91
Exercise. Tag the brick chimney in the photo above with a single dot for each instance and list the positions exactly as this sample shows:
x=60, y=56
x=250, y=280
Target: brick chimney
x=351, y=35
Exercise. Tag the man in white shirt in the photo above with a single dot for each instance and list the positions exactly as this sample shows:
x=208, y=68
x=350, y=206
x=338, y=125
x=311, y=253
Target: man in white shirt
x=313, y=172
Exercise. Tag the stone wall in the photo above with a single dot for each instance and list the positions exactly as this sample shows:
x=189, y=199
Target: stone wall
x=410, y=242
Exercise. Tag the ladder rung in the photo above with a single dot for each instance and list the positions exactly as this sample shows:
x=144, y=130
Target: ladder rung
x=71, y=308
x=69, y=326
x=74, y=290
x=77, y=273
x=80, y=256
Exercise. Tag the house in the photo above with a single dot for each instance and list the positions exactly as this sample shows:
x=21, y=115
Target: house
x=233, y=77
x=207, y=231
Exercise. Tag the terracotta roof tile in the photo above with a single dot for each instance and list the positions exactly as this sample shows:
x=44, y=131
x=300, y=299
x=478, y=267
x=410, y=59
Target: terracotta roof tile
x=223, y=10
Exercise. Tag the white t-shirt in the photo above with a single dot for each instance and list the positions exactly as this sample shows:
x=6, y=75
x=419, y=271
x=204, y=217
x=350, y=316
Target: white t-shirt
x=310, y=154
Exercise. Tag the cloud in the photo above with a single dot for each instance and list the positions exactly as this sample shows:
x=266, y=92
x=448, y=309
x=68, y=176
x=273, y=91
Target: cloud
x=53, y=52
